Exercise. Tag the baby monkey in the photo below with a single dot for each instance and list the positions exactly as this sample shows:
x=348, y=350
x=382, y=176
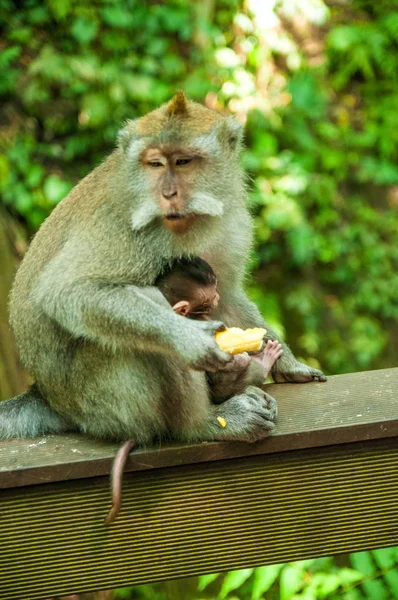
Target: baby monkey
x=190, y=286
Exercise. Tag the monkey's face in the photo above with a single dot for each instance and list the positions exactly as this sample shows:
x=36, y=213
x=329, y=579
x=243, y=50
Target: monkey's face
x=172, y=173
x=201, y=301
x=181, y=168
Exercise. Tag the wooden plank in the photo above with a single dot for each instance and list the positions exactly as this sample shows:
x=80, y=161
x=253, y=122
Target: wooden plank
x=347, y=408
x=202, y=518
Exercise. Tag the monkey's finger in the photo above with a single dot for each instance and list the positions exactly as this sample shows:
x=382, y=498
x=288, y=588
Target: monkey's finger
x=272, y=405
x=318, y=375
x=269, y=401
x=264, y=414
x=265, y=420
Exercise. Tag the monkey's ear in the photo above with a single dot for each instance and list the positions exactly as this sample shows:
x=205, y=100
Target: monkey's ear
x=126, y=135
x=182, y=308
x=230, y=134
x=178, y=105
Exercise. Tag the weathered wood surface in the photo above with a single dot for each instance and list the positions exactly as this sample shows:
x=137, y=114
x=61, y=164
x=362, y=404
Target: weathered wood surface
x=325, y=483
x=347, y=408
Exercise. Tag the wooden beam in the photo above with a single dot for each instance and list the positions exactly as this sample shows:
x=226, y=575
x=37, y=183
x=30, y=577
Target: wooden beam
x=328, y=485
x=347, y=408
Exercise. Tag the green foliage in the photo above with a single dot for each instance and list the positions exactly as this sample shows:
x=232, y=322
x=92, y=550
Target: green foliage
x=369, y=575
x=317, y=89
x=72, y=72
x=324, y=164
x=263, y=579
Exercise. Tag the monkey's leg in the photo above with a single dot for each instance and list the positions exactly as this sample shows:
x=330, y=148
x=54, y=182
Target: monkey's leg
x=28, y=416
x=241, y=372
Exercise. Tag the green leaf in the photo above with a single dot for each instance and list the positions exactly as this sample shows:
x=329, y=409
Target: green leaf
x=124, y=593
x=384, y=558
x=116, y=16
x=291, y=581
x=264, y=577
x=34, y=175
x=362, y=561
x=8, y=55
x=140, y=86
x=325, y=584
x=387, y=560
x=39, y=14
x=23, y=200
x=55, y=189
x=205, y=580
x=59, y=8
x=84, y=30
x=343, y=37
x=95, y=110
x=234, y=580
x=349, y=576
x=4, y=170
x=36, y=216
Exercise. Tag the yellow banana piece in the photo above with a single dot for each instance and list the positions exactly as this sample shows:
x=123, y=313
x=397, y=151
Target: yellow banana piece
x=235, y=340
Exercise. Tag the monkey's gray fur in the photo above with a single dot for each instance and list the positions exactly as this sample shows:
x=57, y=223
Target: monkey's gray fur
x=108, y=355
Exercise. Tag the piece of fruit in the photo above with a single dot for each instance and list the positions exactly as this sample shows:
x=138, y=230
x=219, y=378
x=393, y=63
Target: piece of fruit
x=222, y=421
x=235, y=340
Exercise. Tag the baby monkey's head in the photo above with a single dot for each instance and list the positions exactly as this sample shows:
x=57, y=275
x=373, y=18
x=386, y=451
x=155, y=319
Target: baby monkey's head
x=190, y=285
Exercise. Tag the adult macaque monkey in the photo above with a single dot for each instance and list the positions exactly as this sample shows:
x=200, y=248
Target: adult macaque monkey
x=108, y=354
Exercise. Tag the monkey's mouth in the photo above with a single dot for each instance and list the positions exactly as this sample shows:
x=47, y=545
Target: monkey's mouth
x=177, y=222
x=175, y=217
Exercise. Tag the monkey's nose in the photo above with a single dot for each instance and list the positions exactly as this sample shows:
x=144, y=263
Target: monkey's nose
x=169, y=194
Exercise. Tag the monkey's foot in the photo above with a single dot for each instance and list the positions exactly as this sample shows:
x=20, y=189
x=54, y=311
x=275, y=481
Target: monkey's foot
x=248, y=417
x=296, y=372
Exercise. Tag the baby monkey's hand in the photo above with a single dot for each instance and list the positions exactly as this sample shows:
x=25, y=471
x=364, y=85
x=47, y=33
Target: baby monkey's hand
x=269, y=355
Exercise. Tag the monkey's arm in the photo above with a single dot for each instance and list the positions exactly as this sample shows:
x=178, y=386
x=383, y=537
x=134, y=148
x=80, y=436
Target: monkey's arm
x=124, y=317
x=237, y=310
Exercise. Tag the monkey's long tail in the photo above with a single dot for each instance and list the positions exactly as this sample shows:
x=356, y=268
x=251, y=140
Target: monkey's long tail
x=28, y=416
x=116, y=479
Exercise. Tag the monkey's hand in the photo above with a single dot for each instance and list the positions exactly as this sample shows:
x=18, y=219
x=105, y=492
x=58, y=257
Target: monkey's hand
x=202, y=353
x=293, y=371
x=248, y=417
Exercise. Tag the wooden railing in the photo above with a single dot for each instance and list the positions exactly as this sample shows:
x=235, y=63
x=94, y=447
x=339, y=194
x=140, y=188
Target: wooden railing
x=325, y=482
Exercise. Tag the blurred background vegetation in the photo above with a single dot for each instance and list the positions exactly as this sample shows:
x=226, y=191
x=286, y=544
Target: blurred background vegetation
x=316, y=85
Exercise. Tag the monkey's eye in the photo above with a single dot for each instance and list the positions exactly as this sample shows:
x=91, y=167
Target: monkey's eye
x=155, y=163
x=183, y=161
